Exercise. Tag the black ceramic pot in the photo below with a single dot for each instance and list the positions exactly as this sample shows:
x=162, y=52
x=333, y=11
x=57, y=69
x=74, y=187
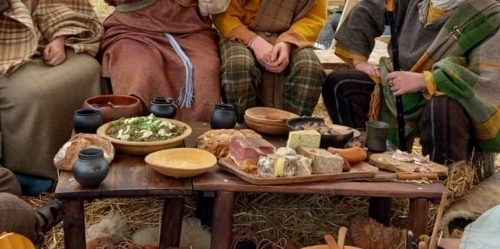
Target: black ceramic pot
x=163, y=107
x=91, y=168
x=87, y=120
x=223, y=117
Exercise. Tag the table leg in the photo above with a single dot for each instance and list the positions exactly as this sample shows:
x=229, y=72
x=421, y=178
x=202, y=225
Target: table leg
x=418, y=216
x=205, y=207
x=222, y=220
x=171, y=223
x=73, y=224
x=380, y=210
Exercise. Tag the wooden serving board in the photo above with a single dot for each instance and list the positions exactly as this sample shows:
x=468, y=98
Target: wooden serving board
x=360, y=170
x=386, y=162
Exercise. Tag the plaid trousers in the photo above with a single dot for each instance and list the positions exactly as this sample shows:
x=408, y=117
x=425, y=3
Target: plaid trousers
x=241, y=78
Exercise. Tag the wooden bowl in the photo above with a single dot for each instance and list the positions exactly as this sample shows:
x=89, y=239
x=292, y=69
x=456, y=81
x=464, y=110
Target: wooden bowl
x=181, y=162
x=113, y=107
x=269, y=115
x=144, y=148
x=267, y=128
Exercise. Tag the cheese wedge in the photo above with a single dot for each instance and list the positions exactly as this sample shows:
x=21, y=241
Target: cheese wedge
x=323, y=162
x=307, y=138
x=274, y=165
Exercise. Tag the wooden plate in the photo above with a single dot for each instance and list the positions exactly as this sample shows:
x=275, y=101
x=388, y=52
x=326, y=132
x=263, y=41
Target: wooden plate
x=181, y=162
x=144, y=148
x=385, y=161
x=359, y=170
x=269, y=115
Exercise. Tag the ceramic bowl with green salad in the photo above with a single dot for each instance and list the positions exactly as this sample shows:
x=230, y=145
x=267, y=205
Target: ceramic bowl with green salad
x=145, y=134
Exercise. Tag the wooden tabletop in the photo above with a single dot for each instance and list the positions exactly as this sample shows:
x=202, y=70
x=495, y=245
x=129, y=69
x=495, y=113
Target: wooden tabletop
x=218, y=180
x=129, y=176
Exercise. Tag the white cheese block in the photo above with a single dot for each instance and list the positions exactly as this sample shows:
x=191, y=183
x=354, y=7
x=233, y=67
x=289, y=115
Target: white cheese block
x=276, y=166
x=307, y=138
x=323, y=162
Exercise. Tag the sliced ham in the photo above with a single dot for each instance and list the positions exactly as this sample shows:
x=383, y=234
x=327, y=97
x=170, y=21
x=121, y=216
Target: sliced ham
x=249, y=147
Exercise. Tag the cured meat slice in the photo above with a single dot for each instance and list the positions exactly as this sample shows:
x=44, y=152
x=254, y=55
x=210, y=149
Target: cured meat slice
x=244, y=148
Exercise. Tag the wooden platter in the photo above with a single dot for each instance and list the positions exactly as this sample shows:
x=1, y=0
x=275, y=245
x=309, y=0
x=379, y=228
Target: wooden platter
x=360, y=170
x=386, y=162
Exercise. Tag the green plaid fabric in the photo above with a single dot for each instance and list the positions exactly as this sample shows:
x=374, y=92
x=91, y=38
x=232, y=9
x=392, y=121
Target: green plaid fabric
x=241, y=79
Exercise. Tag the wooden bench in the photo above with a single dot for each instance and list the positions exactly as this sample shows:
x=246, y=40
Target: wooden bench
x=226, y=186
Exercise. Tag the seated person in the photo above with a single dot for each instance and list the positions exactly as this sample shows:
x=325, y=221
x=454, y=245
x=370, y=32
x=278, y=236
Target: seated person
x=47, y=70
x=481, y=233
x=448, y=79
x=16, y=216
x=268, y=60
x=163, y=48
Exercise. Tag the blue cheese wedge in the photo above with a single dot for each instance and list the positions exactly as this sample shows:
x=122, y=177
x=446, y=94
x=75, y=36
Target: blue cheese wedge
x=274, y=165
x=307, y=138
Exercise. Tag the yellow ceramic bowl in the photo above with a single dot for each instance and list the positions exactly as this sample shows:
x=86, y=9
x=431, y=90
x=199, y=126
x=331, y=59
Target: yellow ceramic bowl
x=181, y=162
x=144, y=148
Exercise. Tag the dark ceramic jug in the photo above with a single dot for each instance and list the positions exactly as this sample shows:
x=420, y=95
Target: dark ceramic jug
x=87, y=120
x=163, y=107
x=91, y=168
x=223, y=117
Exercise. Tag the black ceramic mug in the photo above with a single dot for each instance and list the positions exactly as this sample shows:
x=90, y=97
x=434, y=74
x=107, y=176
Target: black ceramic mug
x=87, y=121
x=223, y=117
x=91, y=168
x=163, y=107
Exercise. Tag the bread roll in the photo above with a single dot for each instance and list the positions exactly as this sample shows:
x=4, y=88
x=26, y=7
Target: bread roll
x=217, y=141
x=68, y=154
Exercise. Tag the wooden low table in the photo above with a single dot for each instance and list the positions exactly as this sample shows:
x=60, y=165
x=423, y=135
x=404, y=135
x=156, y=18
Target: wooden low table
x=128, y=177
x=226, y=185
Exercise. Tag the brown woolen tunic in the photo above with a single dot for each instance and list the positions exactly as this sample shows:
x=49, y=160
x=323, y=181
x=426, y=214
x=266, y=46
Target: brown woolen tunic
x=140, y=60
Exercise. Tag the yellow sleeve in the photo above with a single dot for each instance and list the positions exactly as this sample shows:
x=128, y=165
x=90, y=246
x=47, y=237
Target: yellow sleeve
x=430, y=85
x=348, y=55
x=231, y=20
x=304, y=32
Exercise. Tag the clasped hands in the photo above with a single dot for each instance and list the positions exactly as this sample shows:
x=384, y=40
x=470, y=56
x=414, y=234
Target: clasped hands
x=401, y=82
x=54, y=53
x=273, y=58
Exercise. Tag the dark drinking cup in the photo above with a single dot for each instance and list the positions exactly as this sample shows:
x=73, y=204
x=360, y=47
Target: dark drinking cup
x=87, y=121
x=163, y=107
x=223, y=117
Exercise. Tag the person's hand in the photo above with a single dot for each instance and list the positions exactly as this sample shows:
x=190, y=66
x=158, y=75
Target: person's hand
x=55, y=53
x=367, y=68
x=262, y=50
x=280, y=58
x=405, y=82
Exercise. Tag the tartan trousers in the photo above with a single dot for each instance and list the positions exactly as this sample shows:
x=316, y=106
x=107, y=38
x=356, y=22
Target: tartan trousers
x=241, y=79
x=16, y=216
x=444, y=128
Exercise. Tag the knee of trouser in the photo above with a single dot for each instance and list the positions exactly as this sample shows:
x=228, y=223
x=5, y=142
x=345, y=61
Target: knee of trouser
x=17, y=216
x=445, y=109
x=309, y=66
x=9, y=182
x=239, y=63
